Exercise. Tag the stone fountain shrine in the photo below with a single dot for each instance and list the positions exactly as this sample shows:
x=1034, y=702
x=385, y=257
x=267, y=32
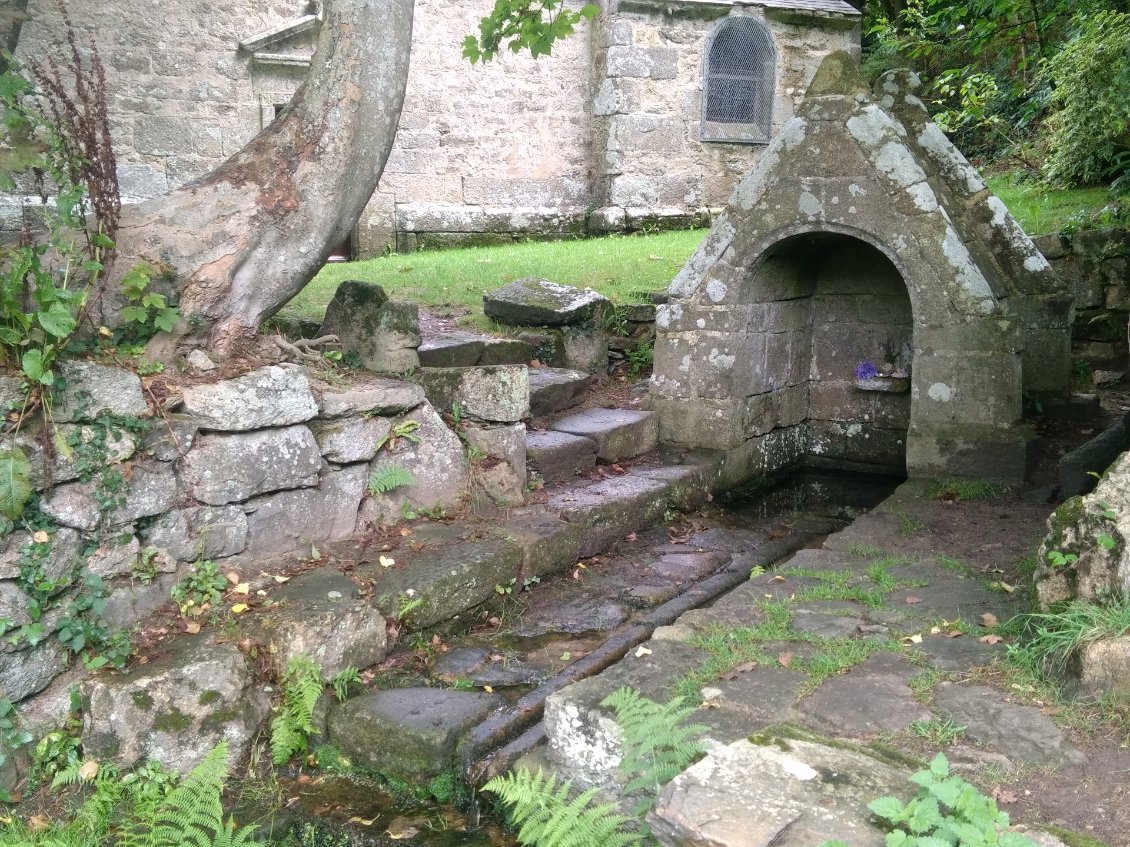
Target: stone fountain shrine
x=861, y=232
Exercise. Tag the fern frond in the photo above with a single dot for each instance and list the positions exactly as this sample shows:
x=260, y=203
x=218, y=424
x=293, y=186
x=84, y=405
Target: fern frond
x=658, y=744
x=302, y=686
x=540, y=807
x=387, y=478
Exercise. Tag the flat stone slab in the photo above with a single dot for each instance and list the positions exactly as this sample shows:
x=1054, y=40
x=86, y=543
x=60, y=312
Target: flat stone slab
x=451, y=350
x=499, y=393
x=611, y=509
x=558, y=455
x=779, y=792
x=555, y=389
x=271, y=396
x=549, y=545
x=446, y=581
x=484, y=667
x=959, y=654
x=408, y=732
x=574, y=616
x=1022, y=733
x=506, y=351
x=761, y=695
x=618, y=433
x=539, y=302
x=873, y=697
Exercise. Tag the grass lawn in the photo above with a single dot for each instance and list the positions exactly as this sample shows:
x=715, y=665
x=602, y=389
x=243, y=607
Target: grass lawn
x=625, y=268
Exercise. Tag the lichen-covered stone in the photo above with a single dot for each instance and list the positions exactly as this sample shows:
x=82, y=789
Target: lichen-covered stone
x=618, y=433
x=270, y=396
x=117, y=558
x=174, y=709
x=498, y=393
x=370, y=396
x=225, y=468
x=1102, y=567
x=59, y=557
x=89, y=388
x=501, y=470
x=200, y=532
x=29, y=671
x=114, y=446
x=348, y=440
x=532, y=301
x=383, y=333
x=289, y=520
x=432, y=456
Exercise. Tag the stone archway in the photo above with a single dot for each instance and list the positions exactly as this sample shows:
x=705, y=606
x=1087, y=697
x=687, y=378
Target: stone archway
x=861, y=221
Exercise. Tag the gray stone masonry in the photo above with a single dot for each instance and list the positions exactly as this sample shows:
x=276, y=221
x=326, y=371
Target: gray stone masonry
x=862, y=228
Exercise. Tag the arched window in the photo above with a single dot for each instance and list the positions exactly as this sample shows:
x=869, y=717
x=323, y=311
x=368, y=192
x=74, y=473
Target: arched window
x=741, y=72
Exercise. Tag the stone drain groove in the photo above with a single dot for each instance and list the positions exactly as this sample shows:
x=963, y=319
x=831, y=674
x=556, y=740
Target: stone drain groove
x=487, y=753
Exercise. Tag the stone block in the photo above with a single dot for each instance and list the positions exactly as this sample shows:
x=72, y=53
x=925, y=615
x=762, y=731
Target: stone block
x=384, y=333
x=501, y=473
x=618, y=433
x=447, y=580
x=90, y=389
x=713, y=365
x=610, y=509
x=270, y=396
x=200, y=532
x=646, y=134
x=506, y=351
x=118, y=559
x=408, y=733
x=558, y=455
x=532, y=301
x=228, y=468
x=585, y=349
x=332, y=627
x=549, y=545
x=158, y=135
x=555, y=389
x=642, y=62
x=435, y=461
x=1100, y=670
x=348, y=440
x=291, y=520
x=697, y=422
x=27, y=672
x=60, y=554
x=175, y=708
x=451, y=350
x=373, y=396
x=498, y=393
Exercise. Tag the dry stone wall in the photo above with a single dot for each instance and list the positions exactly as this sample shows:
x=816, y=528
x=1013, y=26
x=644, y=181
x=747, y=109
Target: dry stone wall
x=250, y=467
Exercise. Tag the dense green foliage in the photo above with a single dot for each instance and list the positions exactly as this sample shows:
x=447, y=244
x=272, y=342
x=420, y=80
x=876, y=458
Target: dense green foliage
x=292, y=725
x=1043, y=84
x=524, y=24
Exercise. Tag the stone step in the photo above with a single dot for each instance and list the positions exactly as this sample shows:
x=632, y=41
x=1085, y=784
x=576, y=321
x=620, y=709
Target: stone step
x=555, y=389
x=458, y=349
x=557, y=456
x=618, y=433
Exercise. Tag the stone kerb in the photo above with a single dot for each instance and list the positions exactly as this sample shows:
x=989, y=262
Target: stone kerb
x=259, y=465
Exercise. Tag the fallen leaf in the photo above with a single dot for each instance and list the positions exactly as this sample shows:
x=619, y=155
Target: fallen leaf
x=496, y=657
x=1003, y=586
x=954, y=633
x=488, y=689
x=631, y=536
x=232, y=577
x=405, y=532
x=281, y=579
x=913, y=639
x=260, y=593
x=777, y=578
x=38, y=823
x=786, y=659
x=89, y=770
x=242, y=588
x=990, y=639
x=495, y=621
x=642, y=651
x=239, y=608
x=192, y=627
x=911, y=600
x=989, y=619
x=387, y=561
x=40, y=537
x=1050, y=711
x=935, y=630
x=566, y=656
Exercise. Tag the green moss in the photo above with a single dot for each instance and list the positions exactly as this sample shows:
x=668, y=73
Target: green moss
x=221, y=718
x=173, y=720
x=779, y=735
x=208, y=697
x=1070, y=513
x=1072, y=838
x=142, y=700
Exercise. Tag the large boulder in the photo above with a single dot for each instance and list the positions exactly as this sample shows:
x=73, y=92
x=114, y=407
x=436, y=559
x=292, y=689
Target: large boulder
x=1095, y=529
x=538, y=302
x=174, y=709
x=497, y=393
x=383, y=333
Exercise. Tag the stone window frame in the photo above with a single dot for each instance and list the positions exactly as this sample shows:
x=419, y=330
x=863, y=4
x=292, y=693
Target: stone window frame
x=747, y=132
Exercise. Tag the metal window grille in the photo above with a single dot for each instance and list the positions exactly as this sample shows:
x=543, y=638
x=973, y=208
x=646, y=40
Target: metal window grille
x=740, y=82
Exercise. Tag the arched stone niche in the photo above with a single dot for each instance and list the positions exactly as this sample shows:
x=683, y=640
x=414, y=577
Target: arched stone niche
x=861, y=223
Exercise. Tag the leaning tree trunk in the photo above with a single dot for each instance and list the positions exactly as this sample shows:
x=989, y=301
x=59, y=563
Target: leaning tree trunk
x=244, y=239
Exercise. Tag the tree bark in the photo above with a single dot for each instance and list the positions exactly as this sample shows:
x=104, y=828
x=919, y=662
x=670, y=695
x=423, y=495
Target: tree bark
x=241, y=241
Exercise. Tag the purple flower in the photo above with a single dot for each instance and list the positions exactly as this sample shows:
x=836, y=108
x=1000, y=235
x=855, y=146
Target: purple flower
x=866, y=370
